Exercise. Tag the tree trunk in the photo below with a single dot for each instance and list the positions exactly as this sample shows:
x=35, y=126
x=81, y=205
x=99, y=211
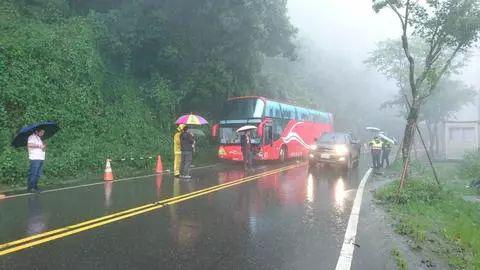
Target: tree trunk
x=408, y=136
x=431, y=137
x=436, y=154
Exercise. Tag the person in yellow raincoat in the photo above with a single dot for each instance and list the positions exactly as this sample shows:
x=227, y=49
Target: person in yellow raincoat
x=177, y=151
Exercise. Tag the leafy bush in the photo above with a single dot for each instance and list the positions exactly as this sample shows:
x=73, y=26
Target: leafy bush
x=437, y=219
x=55, y=72
x=469, y=167
x=424, y=190
x=115, y=75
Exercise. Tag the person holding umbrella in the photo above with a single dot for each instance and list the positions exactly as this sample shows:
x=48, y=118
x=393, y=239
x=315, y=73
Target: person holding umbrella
x=33, y=136
x=376, y=150
x=36, y=155
x=186, y=142
x=246, y=145
x=177, y=151
x=386, y=148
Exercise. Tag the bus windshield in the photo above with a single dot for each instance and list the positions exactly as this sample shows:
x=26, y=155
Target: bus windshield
x=229, y=135
x=243, y=109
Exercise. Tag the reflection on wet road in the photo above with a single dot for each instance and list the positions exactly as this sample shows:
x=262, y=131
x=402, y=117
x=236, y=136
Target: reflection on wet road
x=293, y=219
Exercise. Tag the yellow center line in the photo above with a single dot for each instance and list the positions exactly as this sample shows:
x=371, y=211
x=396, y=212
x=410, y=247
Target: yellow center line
x=71, y=227
x=90, y=224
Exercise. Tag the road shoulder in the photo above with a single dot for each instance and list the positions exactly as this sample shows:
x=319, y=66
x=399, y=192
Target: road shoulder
x=379, y=246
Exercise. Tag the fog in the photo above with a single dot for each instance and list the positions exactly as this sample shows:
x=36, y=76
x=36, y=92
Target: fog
x=347, y=31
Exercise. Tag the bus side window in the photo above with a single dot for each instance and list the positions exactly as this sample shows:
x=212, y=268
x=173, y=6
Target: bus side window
x=278, y=127
x=278, y=112
x=287, y=111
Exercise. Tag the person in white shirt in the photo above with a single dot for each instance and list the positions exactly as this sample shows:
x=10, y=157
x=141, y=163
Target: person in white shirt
x=36, y=155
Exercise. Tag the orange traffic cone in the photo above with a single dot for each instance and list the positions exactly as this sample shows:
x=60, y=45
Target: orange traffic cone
x=159, y=167
x=158, y=184
x=108, y=185
x=108, y=175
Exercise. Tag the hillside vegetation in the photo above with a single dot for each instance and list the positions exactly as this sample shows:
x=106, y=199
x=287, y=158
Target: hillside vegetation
x=116, y=73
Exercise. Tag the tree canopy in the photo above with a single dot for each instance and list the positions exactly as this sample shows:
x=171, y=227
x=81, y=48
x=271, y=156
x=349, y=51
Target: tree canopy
x=448, y=28
x=116, y=73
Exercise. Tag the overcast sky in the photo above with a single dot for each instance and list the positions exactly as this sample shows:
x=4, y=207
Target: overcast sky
x=351, y=28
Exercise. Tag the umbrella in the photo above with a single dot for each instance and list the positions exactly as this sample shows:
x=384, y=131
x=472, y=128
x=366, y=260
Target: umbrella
x=191, y=119
x=196, y=132
x=21, y=139
x=374, y=129
x=386, y=138
x=246, y=128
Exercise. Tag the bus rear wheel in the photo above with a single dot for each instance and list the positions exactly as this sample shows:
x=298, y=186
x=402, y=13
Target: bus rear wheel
x=282, y=157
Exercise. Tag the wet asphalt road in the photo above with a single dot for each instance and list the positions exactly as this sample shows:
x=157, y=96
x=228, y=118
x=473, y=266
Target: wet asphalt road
x=293, y=219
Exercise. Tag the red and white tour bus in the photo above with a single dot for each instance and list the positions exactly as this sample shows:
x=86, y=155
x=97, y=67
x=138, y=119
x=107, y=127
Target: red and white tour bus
x=283, y=131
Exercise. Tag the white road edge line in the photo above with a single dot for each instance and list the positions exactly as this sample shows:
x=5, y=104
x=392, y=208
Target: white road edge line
x=348, y=247
x=101, y=183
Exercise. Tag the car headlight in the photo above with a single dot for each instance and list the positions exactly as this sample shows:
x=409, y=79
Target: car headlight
x=341, y=149
x=313, y=147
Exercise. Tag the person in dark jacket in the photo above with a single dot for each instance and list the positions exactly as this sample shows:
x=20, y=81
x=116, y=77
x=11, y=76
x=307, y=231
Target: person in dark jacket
x=247, y=151
x=386, y=148
x=186, y=144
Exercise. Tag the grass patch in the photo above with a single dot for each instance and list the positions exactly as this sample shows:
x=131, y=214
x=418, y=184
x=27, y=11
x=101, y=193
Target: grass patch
x=399, y=259
x=437, y=218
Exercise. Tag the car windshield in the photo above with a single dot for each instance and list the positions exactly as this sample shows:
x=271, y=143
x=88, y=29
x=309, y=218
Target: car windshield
x=229, y=135
x=243, y=109
x=333, y=138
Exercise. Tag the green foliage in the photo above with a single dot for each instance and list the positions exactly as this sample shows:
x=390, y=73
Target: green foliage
x=115, y=74
x=449, y=96
x=448, y=28
x=438, y=220
x=469, y=167
x=399, y=259
x=56, y=72
x=415, y=190
x=208, y=57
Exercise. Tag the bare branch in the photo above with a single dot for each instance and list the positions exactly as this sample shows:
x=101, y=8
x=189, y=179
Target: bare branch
x=407, y=13
x=424, y=97
x=397, y=12
x=433, y=45
x=445, y=67
x=406, y=49
x=406, y=101
x=436, y=54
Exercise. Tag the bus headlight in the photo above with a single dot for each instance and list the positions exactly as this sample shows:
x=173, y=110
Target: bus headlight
x=341, y=149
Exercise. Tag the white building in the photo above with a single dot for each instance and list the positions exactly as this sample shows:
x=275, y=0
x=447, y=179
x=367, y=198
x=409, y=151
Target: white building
x=461, y=133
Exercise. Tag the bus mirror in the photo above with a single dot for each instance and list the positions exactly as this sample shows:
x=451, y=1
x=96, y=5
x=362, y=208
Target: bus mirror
x=214, y=130
x=315, y=139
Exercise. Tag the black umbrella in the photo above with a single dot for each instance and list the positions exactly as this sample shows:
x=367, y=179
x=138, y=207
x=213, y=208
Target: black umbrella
x=21, y=139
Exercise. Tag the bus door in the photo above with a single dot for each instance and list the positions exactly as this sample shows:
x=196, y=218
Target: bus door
x=268, y=148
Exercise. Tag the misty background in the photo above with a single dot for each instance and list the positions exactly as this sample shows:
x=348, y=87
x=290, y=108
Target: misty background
x=339, y=36
x=117, y=73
